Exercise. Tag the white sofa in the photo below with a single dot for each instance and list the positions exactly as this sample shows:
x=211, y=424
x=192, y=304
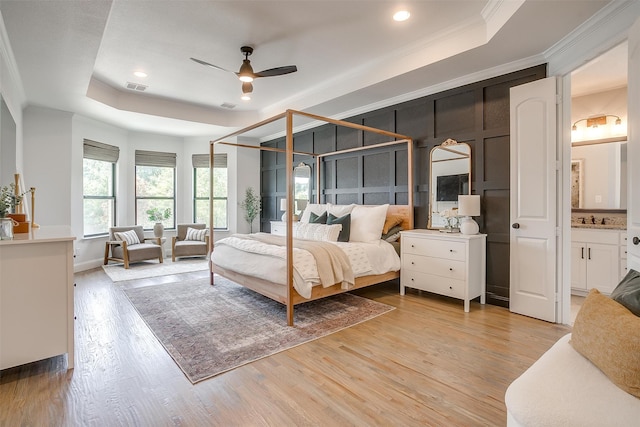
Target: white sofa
x=563, y=388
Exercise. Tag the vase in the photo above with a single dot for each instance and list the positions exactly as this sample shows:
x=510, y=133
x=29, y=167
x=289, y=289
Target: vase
x=6, y=229
x=158, y=229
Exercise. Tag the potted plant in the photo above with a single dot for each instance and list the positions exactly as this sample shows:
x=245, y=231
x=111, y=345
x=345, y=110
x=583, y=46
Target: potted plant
x=251, y=206
x=8, y=202
x=157, y=216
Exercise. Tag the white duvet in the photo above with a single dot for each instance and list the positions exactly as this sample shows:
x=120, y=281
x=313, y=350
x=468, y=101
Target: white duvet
x=257, y=259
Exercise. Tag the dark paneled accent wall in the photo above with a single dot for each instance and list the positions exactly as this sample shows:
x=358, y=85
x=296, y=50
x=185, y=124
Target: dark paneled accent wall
x=477, y=114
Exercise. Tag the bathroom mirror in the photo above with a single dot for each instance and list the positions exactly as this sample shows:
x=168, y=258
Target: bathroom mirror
x=450, y=166
x=599, y=176
x=301, y=187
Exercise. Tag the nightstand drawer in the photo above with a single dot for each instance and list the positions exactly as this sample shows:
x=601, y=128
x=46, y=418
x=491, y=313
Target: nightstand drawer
x=434, y=248
x=440, y=267
x=432, y=283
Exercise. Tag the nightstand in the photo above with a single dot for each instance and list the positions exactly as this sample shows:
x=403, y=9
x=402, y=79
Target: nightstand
x=444, y=263
x=280, y=227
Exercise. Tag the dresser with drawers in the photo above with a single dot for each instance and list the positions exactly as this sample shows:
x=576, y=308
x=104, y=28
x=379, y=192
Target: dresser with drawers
x=449, y=264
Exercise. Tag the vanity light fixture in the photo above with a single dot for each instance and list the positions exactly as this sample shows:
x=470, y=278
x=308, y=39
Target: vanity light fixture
x=594, y=122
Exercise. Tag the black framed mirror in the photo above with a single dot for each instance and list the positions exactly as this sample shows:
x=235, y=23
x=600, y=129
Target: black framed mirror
x=450, y=176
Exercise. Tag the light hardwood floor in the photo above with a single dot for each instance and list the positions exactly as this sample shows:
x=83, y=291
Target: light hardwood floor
x=425, y=363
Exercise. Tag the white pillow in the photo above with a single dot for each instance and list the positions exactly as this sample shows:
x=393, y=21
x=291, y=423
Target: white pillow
x=367, y=223
x=195, y=234
x=131, y=237
x=315, y=208
x=339, y=210
x=322, y=232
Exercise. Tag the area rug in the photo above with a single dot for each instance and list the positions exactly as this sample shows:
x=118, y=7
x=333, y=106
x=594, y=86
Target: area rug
x=209, y=330
x=143, y=270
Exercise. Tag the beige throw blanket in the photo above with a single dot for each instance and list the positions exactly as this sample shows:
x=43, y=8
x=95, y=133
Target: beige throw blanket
x=332, y=263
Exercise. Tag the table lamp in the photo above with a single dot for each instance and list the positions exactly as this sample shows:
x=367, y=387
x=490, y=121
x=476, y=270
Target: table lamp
x=283, y=208
x=469, y=206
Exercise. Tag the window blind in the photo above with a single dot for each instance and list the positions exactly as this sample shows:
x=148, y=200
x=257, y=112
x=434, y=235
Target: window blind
x=155, y=158
x=202, y=160
x=98, y=151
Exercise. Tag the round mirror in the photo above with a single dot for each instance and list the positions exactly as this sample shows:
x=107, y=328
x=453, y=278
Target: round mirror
x=450, y=166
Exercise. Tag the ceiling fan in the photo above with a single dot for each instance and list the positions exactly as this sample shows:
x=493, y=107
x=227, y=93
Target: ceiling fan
x=246, y=74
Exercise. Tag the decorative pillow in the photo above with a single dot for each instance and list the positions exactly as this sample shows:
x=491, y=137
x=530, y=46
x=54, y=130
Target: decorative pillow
x=392, y=235
x=131, y=237
x=339, y=210
x=196, y=234
x=390, y=222
x=322, y=232
x=367, y=223
x=345, y=221
x=627, y=292
x=608, y=335
x=315, y=208
x=315, y=219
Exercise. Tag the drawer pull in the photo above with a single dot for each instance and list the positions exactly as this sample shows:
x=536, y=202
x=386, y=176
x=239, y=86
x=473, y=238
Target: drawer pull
x=451, y=250
x=413, y=263
x=451, y=287
x=412, y=246
x=450, y=268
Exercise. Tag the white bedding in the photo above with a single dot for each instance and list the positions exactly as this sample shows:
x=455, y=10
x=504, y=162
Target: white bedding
x=268, y=262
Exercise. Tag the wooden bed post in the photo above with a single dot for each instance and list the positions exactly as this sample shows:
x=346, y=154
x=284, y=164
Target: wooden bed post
x=289, y=167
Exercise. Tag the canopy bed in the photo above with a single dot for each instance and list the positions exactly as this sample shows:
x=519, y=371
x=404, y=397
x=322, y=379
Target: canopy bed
x=287, y=290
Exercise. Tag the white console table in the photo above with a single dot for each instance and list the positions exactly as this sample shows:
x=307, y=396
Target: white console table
x=36, y=297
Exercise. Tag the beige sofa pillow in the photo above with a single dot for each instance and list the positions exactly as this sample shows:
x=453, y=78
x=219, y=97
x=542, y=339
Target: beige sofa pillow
x=608, y=334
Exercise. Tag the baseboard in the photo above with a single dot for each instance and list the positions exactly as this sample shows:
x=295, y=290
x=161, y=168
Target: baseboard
x=87, y=265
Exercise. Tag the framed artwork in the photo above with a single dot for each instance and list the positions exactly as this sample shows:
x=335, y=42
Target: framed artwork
x=577, y=192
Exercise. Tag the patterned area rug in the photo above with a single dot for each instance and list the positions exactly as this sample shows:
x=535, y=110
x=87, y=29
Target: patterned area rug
x=209, y=330
x=143, y=270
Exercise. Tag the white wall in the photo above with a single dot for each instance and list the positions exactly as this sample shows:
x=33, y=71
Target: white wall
x=48, y=163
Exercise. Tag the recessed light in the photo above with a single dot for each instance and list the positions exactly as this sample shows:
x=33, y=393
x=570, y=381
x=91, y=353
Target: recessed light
x=401, y=15
x=140, y=74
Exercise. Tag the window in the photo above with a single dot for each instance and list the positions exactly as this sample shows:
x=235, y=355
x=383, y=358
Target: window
x=155, y=187
x=98, y=187
x=201, y=184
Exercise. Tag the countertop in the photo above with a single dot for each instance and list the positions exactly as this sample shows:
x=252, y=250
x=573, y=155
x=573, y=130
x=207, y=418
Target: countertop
x=600, y=226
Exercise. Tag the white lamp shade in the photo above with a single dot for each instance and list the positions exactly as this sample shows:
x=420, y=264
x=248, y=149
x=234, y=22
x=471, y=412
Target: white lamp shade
x=283, y=204
x=469, y=205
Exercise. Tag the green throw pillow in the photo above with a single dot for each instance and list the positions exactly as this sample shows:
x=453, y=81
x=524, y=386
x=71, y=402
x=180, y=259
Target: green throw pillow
x=627, y=292
x=318, y=219
x=345, y=221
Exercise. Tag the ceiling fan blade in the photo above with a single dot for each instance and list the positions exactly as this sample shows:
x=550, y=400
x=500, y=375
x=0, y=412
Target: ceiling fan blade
x=278, y=71
x=199, y=61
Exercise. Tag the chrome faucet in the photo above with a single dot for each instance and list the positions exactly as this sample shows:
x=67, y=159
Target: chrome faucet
x=593, y=219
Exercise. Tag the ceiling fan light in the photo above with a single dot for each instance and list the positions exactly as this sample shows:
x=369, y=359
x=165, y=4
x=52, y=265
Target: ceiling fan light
x=246, y=79
x=245, y=97
x=401, y=15
x=246, y=72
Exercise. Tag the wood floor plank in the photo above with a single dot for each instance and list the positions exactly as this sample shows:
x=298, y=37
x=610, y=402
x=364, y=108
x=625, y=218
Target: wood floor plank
x=425, y=363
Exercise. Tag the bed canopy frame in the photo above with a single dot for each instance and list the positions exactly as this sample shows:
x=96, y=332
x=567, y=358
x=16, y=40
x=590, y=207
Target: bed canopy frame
x=291, y=297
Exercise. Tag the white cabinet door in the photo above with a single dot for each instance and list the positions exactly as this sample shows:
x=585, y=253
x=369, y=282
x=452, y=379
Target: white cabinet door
x=602, y=267
x=579, y=266
x=533, y=241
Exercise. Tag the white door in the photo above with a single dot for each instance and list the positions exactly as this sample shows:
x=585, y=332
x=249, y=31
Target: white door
x=633, y=149
x=533, y=241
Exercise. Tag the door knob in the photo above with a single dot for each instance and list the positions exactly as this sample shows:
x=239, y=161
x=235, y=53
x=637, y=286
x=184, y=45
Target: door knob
x=515, y=225
x=636, y=240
